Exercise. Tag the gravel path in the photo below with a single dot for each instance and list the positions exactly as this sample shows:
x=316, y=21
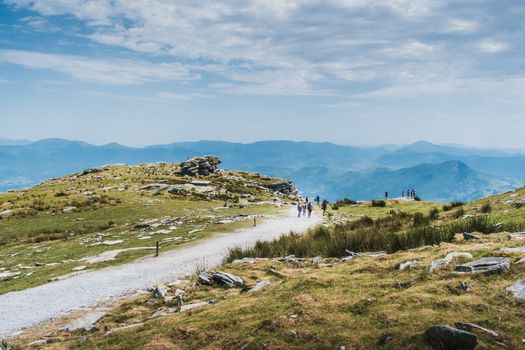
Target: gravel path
x=22, y=309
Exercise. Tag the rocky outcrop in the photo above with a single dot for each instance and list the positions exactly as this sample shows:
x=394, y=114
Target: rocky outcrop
x=222, y=278
x=449, y=338
x=486, y=266
x=285, y=187
x=202, y=166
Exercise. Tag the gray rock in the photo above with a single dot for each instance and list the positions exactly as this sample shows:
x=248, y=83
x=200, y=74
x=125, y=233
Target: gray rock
x=227, y=280
x=436, y=264
x=205, y=278
x=449, y=338
x=122, y=328
x=244, y=261
x=469, y=236
x=409, y=264
x=160, y=291
x=472, y=327
x=485, y=266
x=203, y=166
x=187, y=307
x=163, y=312
x=86, y=322
x=110, y=243
x=513, y=250
x=518, y=289
x=154, y=187
x=259, y=286
x=6, y=213
x=517, y=236
x=285, y=187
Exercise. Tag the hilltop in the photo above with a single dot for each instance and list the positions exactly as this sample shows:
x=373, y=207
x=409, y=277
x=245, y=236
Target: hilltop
x=116, y=213
x=313, y=167
x=389, y=272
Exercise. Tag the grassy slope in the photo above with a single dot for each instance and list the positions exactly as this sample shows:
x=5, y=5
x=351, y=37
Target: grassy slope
x=357, y=303
x=108, y=206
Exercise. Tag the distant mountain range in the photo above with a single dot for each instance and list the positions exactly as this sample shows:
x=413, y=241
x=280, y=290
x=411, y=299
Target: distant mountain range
x=437, y=172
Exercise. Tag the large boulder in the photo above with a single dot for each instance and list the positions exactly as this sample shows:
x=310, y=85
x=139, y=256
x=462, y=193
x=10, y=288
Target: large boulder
x=202, y=166
x=485, y=266
x=518, y=289
x=449, y=338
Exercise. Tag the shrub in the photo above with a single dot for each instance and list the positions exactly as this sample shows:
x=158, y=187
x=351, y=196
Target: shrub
x=452, y=205
x=419, y=219
x=344, y=201
x=378, y=203
x=486, y=208
x=433, y=214
x=458, y=213
x=417, y=199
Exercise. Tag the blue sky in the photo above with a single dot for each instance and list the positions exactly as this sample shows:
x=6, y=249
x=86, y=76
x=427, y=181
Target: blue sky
x=347, y=71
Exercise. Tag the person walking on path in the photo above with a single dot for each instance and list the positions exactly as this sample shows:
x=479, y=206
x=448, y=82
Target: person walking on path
x=299, y=209
x=324, y=206
x=310, y=208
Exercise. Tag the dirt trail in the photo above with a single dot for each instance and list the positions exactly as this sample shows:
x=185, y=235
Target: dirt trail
x=22, y=309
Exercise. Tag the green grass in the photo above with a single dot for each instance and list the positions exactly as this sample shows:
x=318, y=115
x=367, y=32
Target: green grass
x=41, y=232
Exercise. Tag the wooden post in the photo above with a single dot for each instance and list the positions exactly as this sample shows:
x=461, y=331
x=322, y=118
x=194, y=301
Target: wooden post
x=157, y=250
x=254, y=221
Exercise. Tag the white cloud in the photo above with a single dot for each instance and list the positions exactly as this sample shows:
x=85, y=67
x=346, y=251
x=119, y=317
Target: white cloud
x=461, y=26
x=492, y=46
x=108, y=71
x=166, y=95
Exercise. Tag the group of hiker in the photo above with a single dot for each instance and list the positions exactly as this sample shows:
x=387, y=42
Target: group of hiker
x=306, y=207
x=409, y=194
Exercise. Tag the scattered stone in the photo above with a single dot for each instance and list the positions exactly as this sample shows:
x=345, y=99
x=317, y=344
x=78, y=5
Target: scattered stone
x=244, y=261
x=402, y=285
x=225, y=221
x=521, y=261
x=201, y=183
x=163, y=312
x=447, y=260
x=115, y=242
x=160, y=291
x=203, y=166
x=79, y=268
x=517, y=236
x=142, y=226
x=226, y=279
x=187, y=307
x=6, y=213
x=487, y=266
x=464, y=286
x=37, y=343
x=469, y=236
x=259, y=286
x=205, y=278
x=385, y=338
x=122, y=328
x=409, y=264
x=89, y=171
x=86, y=322
x=471, y=327
x=449, y=338
x=8, y=274
x=154, y=187
x=518, y=289
x=513, y=250
x=69, y=209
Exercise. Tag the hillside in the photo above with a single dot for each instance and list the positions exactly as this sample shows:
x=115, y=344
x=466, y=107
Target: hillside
x=363, y=293
x=317, y=168
x=116, y=213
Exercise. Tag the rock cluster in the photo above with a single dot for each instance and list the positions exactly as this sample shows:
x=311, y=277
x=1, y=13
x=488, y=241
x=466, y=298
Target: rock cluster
x=203, y=166
x=485, y=266
x=285, y=187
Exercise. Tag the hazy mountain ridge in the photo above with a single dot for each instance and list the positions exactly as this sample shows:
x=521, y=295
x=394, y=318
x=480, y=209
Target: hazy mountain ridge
x=437, y=172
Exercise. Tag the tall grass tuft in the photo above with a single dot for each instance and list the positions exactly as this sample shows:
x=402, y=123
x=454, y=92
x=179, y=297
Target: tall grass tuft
x=397, y=231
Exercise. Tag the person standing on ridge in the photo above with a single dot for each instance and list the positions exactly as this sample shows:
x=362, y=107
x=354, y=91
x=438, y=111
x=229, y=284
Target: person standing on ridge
x=324, y=206
x=299, y=209
x=386, y=194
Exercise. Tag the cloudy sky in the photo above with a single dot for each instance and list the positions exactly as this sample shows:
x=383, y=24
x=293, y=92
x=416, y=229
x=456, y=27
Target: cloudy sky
x=346, y=71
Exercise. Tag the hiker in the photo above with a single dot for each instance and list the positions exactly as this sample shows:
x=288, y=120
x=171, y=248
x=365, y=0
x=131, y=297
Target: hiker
x=304, y=208
x=310, y=208
x=324, y=206
x=306, y=200
x=403, y=194
x=318, y=199
x=299, y=209
x=386, y=194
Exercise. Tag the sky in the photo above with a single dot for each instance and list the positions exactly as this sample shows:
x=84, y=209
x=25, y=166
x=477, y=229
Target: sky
x=347, y=71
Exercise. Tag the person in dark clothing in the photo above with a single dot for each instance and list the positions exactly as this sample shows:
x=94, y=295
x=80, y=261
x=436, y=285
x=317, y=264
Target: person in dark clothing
x=310, y=208
x=324, y=206
x=386, y=194
x=318, y=199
